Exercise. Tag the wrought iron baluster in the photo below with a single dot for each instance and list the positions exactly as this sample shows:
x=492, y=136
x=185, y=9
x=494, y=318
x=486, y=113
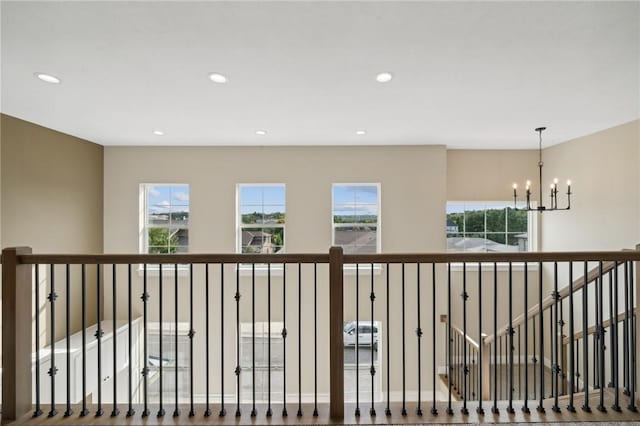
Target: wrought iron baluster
x=510, y=409
x=540, y=407
x=404, y=388
x=494, y=408
x=115, y=411
x=284, y=341
x=625, y=332
x=68, y=412
x=207, y=406
x=192, y=333
x=254, y=412
x=632, y=343
x=479, y=410
x=387, y=410
x=315, y=339
x=419, y=338
x=145, y=349
x=572, y=366
x=357, y=333
x=299, y=414
x=519, y=364
x=525, y=407
x=585, y=340
x=38, y=410
x=555, y=369
x=223, y=411
x=601, y=340
x=563, y=370
x=98, y=336
x=130, y=410
x=176, y=410
x=238, y=369
x=465, y=367
x=434, y=410
x=52, y=311
x=449, y=338
x=374, y=345
x=612, y=322
x=595, y=338
x=534, y=359
x=614, y=347
x=161, y=411
x=269, y=411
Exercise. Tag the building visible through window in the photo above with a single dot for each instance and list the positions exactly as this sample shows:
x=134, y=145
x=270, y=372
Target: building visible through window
x=261, y=210
x=486, y=227
x=356, y=218
x=166, y=218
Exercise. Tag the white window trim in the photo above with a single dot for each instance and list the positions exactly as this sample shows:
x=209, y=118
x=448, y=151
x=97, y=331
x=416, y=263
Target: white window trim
x=364, y=268
x=378, y=221
x=143, y=247
x=532, y=232
x=260, y=270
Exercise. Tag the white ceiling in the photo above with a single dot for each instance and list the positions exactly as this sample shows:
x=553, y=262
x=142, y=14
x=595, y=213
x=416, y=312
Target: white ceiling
x=468, y=75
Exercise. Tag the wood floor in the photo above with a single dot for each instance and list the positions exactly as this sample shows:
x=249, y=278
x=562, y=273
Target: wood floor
x=396, y=416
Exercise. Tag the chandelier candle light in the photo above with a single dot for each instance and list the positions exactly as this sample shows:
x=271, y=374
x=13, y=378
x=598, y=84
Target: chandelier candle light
x=553, y=188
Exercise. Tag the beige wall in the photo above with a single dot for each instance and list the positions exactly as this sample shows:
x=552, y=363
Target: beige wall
x=605, y=174
x=488, y=175
x=51, y=189
x=51, y=196
x=412, y=187
x=413, y=195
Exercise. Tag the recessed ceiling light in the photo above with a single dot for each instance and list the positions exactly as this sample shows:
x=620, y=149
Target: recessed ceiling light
x=361, y=132
x=47, y=78
x=217, y=78
x=384, y=77
x=158, y=132
x=261, y=132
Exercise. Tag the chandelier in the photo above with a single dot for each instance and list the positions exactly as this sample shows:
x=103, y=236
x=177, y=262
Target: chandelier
x=553, y=194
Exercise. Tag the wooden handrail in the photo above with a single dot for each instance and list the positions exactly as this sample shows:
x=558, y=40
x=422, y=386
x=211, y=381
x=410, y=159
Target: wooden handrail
x=531, y=257
x=550, y=300
x=443, y=258
x=591, y=330
x=182, y=258
x=467, y=338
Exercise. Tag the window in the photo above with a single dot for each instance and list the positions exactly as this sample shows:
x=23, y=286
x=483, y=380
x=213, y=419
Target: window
x=487, y=227
x=356, y=217
x=172, y=358
x=261, y=210
x=165, y=226
x=362, y=345
x=261, y=360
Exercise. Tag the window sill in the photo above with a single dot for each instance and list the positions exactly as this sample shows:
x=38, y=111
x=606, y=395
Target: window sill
x=260, y=270
x=501, y=267
x=362, y=269
x=167, y=271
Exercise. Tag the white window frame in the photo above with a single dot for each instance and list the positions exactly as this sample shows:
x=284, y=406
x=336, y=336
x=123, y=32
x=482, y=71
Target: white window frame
x=144, y=227
x=262, y=268
x=363, y=269
x=532, y=240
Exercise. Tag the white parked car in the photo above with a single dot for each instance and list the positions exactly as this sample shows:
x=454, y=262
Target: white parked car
x=363, y=331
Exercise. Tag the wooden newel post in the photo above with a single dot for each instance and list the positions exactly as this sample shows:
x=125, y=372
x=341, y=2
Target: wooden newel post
x=486, y=368
x=336, y=341
x=16, y=334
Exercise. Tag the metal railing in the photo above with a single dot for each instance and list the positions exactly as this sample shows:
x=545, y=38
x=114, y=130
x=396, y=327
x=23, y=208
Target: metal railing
x=394, y=297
